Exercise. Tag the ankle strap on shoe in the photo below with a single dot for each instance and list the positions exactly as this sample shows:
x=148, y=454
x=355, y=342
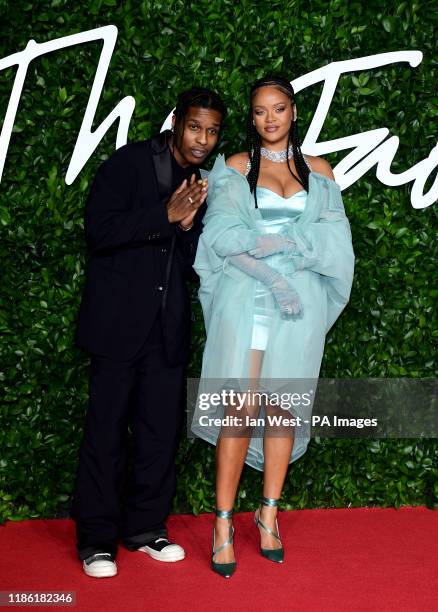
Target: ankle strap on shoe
x=269, y=501
x=224, y=513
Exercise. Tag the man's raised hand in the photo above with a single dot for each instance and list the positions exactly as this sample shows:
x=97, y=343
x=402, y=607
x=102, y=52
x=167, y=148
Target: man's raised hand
x=185, y=201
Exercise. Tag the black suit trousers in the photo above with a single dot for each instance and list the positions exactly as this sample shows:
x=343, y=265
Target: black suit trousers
x=142, y=398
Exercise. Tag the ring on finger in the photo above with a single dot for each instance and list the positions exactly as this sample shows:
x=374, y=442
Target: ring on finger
x=190, y=200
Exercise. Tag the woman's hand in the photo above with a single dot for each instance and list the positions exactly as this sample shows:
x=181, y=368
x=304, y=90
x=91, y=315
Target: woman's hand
x=284, y=294
x=298, y=262
x=270, y=244
x=287, y=298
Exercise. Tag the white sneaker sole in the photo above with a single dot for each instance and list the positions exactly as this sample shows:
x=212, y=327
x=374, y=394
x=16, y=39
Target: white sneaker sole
x=106, y=571
x=169, y=557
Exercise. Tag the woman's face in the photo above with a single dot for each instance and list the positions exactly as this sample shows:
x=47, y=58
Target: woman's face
x=201, y=132
x=272, y=113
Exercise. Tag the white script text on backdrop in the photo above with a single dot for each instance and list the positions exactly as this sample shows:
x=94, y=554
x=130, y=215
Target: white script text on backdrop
x=368, y=148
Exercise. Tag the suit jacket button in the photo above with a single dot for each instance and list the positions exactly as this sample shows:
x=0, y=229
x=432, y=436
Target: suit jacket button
x=164, y=251
x=160, y=288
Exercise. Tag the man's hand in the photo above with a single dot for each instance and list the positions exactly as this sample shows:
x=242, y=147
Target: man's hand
x=185, y=201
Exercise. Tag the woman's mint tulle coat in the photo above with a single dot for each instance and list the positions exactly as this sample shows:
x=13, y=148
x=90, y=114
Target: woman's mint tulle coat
x=321, y=272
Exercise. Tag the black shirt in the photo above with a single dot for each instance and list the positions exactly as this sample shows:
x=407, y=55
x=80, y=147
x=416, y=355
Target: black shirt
x=179, y=174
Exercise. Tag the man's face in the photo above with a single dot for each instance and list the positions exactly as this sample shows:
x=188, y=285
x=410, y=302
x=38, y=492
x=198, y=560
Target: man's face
x=201, y=132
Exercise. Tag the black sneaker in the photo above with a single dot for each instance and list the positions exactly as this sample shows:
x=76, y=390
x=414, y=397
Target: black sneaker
x=100, y=565
x=163, y=550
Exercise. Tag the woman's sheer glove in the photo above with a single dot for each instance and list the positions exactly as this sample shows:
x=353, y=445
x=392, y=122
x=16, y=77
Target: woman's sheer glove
x=299, y=262
x=284, y=294
x=270, y=244
x=286, y=297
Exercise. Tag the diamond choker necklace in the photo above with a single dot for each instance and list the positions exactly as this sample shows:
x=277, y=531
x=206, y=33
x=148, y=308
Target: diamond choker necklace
x=279, y=157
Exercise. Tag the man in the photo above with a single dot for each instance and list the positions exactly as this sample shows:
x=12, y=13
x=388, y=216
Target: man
x=142, y=222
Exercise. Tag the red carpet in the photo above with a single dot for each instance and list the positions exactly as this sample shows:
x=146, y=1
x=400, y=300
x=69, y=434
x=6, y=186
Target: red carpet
x=360, y=559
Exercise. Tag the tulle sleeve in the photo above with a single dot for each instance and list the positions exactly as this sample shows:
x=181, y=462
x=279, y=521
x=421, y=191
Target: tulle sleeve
x=323, y=239
x=228, y=229
x=226, y=222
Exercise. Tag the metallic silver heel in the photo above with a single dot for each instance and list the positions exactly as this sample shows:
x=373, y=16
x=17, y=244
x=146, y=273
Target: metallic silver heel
x=223, y=569
x=273, y=554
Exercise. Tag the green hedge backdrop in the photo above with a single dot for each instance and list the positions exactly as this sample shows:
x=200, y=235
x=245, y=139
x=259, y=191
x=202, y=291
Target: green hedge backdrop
x=163, y=47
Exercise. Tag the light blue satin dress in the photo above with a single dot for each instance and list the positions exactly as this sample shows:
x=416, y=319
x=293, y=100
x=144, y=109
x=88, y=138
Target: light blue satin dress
x=276, y=212
x=239, y=312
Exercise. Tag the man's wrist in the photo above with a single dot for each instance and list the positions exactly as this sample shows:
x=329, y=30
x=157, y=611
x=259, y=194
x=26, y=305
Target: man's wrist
x=186, y=229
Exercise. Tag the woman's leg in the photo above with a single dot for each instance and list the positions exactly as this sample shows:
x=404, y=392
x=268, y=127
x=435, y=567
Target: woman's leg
x=277, y=451
x=230, y=457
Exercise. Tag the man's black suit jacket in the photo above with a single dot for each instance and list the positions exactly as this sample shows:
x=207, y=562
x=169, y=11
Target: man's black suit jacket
x=139, y=262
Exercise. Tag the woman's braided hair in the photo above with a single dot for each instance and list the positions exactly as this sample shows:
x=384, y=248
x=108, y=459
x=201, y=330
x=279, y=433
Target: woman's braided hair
x=254, y=140
x=198, y=97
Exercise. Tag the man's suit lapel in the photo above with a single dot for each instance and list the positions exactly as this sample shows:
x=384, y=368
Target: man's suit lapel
x=162, y=164
x=163, y=172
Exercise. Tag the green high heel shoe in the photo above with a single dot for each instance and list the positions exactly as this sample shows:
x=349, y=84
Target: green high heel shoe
x=223, y=569
x=273, y=554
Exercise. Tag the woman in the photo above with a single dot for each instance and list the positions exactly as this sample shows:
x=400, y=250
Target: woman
x=276, y=266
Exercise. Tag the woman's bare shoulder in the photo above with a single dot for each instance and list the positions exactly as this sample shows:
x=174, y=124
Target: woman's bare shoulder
x=320, y=165
x=238, y=161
